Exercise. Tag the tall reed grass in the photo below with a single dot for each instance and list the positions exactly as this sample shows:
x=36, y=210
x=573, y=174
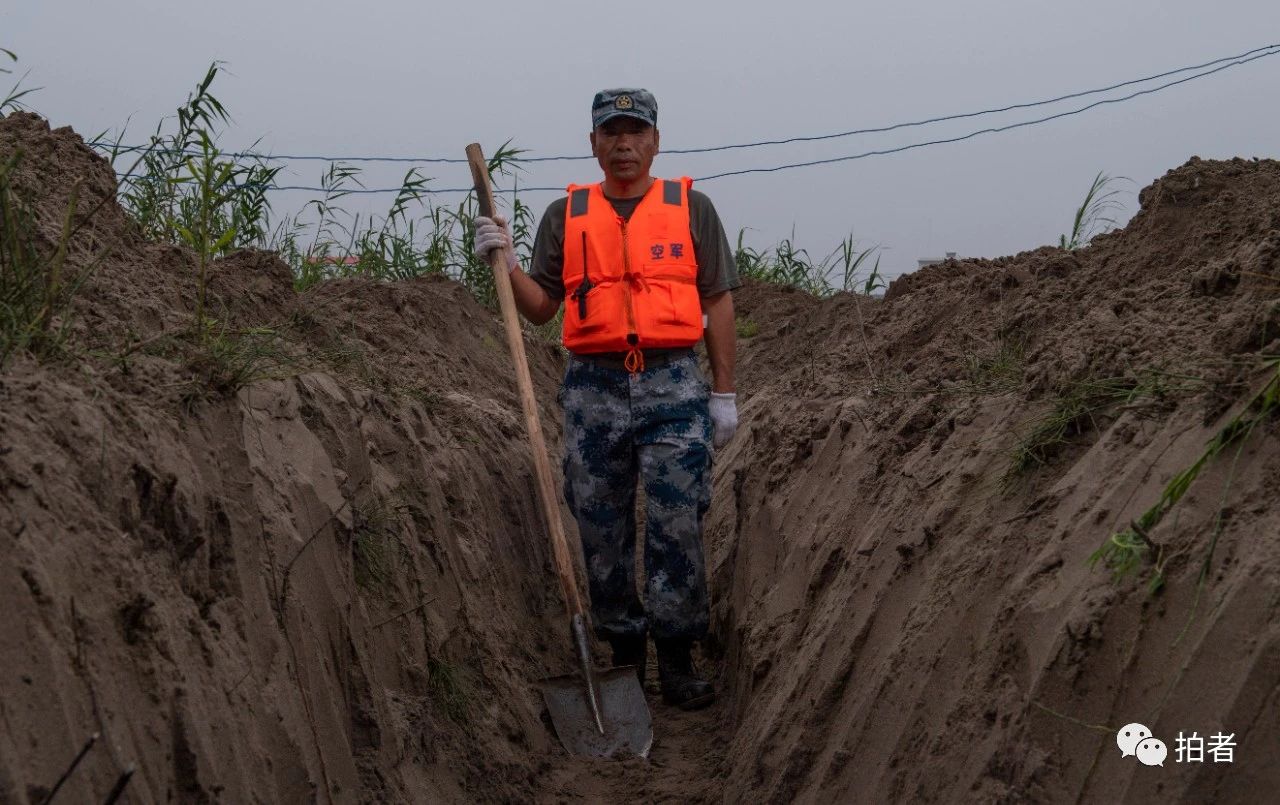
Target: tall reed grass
x=184, y=188
x=846, y=268
x=170, y=198
x=36, y=287
x=1095, y=215
x=188, y=190
x=13, y=96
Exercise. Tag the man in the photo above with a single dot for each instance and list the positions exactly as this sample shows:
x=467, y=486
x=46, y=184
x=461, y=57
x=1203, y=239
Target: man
x=640, y=260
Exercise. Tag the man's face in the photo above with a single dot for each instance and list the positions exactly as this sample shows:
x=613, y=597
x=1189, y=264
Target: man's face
x=625, y=148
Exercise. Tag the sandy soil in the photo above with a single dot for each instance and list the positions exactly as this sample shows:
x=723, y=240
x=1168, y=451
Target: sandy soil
x=899, y=623
x=331, y=583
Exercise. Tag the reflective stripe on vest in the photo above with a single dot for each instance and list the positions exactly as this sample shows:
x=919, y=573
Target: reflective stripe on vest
x=630, y=285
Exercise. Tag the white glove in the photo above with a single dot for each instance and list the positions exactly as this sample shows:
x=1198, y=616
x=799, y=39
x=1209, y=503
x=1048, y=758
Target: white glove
x=724, y=417
x=493, y=233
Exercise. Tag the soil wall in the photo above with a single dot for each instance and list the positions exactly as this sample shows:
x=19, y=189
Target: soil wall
x=298, y=557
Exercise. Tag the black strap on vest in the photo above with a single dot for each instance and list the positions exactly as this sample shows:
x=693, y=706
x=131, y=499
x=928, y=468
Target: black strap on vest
x=584, y=287
x=578, y=201
x=671, y=192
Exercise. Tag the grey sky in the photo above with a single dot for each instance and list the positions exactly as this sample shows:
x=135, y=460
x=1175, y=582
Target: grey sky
x=404, y=78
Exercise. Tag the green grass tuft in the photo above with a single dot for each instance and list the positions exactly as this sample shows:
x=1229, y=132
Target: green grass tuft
x=785, y=264
x=1094, y=216
x=376, y=550
x=35, y=291
x=1123, y=552
x=1075, y=409
x=12, y=99
x=224, y=360
x=996, y=370
x=450, y=689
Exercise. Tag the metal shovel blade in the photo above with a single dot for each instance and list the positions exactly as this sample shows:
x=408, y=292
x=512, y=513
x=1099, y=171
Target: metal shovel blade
x=624, y=713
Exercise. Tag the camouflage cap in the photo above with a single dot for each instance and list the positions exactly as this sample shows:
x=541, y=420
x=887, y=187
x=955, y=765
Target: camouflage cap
x=611, y=103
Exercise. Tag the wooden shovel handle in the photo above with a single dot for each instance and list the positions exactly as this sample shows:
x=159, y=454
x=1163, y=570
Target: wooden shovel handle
x=515, y=341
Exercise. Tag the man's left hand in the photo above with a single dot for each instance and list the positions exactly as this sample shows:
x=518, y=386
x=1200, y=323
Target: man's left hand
x=724, y=417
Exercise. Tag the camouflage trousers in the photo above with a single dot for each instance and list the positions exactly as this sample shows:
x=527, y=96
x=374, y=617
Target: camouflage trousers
x=653, y=426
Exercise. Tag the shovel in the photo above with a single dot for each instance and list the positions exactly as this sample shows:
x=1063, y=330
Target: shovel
x=595, y=713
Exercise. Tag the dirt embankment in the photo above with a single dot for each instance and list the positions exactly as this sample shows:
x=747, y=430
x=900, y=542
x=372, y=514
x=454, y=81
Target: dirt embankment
x=331, y=577
x=906, y=618
x=306, y=558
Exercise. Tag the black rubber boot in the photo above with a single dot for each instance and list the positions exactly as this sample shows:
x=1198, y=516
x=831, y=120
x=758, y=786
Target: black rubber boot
x=631, y=650
x=681, y=685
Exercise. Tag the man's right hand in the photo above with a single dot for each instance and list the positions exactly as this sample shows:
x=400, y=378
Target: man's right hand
x=493, y=233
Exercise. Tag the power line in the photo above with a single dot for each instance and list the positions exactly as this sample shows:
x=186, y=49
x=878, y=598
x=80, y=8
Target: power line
x=882, y=152
x=973, y=134
x=1011, y=107
x=1246, y=56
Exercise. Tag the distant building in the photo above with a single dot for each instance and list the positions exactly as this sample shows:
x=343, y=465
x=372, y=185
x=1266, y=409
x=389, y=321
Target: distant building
x=928, y=261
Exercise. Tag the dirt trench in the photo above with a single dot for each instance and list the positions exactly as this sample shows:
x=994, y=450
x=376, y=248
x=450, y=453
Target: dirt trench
x=302, y=561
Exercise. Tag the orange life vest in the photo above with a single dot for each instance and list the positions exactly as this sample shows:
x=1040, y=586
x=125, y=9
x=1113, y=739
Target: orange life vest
x=630, y=285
